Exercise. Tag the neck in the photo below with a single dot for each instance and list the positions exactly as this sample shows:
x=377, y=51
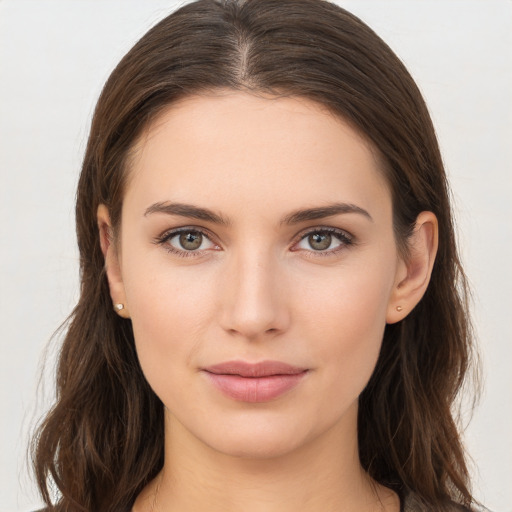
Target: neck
x=323, y=474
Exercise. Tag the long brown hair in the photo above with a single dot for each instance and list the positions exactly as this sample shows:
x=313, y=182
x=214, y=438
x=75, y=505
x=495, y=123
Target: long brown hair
x=103, y=440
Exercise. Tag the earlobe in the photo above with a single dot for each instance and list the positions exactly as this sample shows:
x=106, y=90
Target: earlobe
x=413, y=274
x=112, y=263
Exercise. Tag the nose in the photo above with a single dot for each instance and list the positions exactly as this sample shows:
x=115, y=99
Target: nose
x=253, y=297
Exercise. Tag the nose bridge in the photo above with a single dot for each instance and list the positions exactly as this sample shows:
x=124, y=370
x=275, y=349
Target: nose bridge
x=253, y=303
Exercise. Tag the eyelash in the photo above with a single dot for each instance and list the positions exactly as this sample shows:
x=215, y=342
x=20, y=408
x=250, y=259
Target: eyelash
x=345, y=238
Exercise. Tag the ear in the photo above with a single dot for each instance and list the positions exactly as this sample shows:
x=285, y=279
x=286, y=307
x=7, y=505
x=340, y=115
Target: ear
x=112, y=266
x=413, y=274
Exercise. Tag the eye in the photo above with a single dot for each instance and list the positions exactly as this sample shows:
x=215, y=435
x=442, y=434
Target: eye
x=326, y=240
x=189, y=240
x=186, y=242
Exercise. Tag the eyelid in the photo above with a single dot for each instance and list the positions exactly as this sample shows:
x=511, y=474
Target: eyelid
x=168, y=233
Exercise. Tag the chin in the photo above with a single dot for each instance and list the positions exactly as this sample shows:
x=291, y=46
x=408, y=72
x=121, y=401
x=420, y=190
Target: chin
x=257, y=446
x=256, y=436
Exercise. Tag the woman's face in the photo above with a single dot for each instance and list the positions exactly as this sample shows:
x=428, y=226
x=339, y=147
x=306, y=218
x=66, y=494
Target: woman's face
x=255, y=230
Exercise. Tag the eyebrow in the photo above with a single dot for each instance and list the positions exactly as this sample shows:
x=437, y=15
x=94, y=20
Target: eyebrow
x=187, y=210
x=302, y=215
x=324, y=211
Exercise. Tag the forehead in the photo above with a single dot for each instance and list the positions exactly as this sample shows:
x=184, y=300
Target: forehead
x=245, y=151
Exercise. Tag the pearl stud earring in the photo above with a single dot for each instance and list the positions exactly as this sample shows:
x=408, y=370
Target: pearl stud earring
x=118, y=307
x=399, y=308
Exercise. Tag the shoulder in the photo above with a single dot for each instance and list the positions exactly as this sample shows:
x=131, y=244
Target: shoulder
x=411, y=503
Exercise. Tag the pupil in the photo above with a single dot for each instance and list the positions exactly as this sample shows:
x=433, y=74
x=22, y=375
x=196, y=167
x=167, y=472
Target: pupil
x=191, y=240
x=320, y=241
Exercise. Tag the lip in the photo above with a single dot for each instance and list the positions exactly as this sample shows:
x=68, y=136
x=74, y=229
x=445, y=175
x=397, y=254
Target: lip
x=254, y=382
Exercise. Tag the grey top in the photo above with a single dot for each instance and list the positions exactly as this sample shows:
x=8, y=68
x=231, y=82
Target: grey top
x=411, y=503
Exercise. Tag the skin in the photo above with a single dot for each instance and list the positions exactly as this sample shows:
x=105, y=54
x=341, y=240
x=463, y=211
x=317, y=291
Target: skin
x=256, y=290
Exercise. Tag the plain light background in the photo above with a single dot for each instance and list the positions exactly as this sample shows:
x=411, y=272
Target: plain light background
x=54, y=58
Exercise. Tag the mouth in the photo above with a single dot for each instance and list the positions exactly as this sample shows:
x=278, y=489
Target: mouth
x=254, y=382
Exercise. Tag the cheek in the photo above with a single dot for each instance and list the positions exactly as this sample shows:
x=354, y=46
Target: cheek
x=346, y=322
x=170, y=312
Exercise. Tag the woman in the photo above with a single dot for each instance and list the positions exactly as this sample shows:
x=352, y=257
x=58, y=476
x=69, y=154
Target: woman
x=272, y=311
